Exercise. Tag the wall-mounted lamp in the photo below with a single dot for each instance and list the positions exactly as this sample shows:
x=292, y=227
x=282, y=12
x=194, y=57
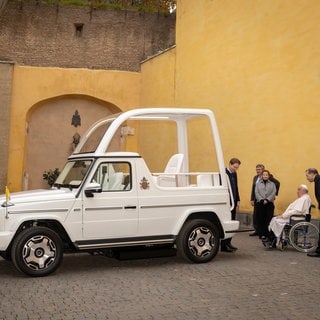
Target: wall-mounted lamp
x=127, y=131
x=76, y=139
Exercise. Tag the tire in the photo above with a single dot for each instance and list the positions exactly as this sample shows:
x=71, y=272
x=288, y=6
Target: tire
x=198, y=241
x=37, y=251
x=304, y=237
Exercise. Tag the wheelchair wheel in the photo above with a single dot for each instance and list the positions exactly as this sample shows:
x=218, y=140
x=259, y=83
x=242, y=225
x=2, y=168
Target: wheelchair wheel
x=304, y=237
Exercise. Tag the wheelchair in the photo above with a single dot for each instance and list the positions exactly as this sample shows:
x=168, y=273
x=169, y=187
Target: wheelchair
x=300, y=234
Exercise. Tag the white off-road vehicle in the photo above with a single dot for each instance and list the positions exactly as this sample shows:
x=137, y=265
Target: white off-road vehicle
x=104, y=201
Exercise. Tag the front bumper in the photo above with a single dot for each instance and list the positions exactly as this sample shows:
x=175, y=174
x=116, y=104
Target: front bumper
x=5, y=239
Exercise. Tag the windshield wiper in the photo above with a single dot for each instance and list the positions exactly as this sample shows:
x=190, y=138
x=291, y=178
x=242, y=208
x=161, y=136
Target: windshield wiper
x=65, y=185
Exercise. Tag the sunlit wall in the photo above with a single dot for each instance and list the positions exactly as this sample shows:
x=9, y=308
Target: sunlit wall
x=256, y=64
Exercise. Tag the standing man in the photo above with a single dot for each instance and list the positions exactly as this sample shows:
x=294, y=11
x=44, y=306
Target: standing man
x=231, y=171
x=313, y=176
x=256, y=179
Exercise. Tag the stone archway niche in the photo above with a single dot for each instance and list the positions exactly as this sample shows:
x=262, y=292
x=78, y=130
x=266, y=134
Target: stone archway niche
x=51, y=132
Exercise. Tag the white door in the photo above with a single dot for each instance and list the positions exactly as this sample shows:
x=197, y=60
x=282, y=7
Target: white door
x=113, y=213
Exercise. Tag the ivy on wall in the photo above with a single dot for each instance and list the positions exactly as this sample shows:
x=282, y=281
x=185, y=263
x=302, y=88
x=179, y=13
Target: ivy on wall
x=135, y=5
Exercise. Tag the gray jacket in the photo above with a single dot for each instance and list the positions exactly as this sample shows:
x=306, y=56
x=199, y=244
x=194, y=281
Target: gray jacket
x=265, y=191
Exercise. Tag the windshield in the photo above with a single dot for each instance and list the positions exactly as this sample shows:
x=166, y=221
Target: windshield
x=94, y=135
x=73, y=174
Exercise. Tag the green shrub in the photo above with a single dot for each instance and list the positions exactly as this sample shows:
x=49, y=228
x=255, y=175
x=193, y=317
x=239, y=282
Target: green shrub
x=51, y=176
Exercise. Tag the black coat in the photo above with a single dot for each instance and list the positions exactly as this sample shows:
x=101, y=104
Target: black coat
x=276, y=182
x=317, y=189
x=254, y=181
x=234, y=185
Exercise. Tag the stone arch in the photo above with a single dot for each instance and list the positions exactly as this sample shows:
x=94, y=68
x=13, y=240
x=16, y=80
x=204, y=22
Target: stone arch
x=51, y=127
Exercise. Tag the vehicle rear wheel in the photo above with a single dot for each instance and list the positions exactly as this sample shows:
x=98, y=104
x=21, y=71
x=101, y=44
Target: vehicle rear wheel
x=37, y=251
x=198, y=241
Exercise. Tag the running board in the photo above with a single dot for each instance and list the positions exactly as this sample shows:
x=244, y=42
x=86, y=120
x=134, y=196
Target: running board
x=239, y=230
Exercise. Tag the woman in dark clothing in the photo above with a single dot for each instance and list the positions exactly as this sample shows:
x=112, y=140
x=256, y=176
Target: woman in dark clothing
x=265, y=192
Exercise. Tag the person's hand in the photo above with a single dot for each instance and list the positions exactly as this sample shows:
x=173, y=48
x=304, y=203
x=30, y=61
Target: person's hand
x=252, y=203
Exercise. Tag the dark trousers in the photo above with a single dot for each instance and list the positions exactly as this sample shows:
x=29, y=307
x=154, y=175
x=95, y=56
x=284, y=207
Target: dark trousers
x=264, y=214
x=318, y=248
x=254, y=217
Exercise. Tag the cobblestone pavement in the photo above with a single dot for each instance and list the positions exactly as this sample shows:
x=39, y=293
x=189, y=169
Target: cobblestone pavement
x=253, y=283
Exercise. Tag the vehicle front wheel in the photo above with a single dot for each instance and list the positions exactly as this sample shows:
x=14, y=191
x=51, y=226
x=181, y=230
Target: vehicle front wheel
x=37, y=251
x=198, y=241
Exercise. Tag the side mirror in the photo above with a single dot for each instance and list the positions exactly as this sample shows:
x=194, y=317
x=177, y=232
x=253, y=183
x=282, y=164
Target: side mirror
x=92, y=188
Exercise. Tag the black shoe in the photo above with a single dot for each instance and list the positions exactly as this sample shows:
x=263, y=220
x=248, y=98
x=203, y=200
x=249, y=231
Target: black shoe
x=265, y=241
x=314, y=254
x=253, y=234
x=273, y=243
x=226, y=249
x=229, y=245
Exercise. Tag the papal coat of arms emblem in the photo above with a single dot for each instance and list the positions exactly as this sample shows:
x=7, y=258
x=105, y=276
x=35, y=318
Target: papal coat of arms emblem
x=144, y=183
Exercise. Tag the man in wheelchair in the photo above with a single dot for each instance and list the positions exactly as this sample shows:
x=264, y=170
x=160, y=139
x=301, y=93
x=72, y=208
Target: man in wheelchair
x=300, y=206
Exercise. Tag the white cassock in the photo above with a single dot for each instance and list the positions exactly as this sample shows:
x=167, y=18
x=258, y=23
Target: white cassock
x=300, y=207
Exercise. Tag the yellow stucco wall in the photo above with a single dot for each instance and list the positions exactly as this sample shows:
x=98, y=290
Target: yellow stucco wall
x=158, y=80
x=157, y=90
x=256, y=64
x=31, y=85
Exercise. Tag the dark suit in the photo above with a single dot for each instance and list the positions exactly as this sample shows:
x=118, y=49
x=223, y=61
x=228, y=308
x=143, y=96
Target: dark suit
x=226, y=244
x=317, y=188
x=235, y=191
x=317, y=194
x=253, y=198
x=276, y=182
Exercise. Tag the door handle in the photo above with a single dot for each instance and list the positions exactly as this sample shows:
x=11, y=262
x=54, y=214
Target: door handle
x=130, y=207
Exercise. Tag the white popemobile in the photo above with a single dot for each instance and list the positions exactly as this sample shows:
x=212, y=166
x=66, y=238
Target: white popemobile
x=103, y=201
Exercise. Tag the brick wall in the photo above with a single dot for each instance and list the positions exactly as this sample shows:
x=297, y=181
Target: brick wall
x=76, y=37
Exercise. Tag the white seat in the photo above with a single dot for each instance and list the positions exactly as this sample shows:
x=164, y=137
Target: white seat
x=115, y=181
x=204, y=180
x=174, y=166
